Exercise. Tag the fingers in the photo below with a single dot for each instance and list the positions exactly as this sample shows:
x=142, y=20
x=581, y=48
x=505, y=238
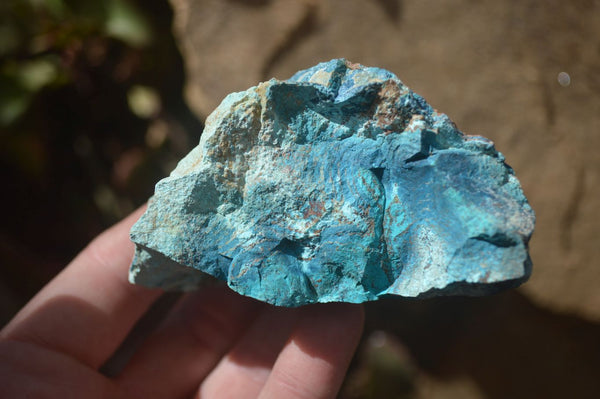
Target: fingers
x=313, y=363
x=28, y=371
x=243, y=372
x=318, y=343
x=230, y=344
x=189, y=344
x=88, y=309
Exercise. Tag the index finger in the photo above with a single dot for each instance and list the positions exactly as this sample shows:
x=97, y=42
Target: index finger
x=88, y=309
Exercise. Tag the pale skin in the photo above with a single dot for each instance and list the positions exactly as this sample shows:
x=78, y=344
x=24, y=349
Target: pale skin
x=213, y=343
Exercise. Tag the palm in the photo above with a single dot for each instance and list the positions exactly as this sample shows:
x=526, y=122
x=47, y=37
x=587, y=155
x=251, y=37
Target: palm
x=213, y=343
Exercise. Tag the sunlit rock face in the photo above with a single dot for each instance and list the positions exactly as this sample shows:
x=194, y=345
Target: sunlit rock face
x=339, y=184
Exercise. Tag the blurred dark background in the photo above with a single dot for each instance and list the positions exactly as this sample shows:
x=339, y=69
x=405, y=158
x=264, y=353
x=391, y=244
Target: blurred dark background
x=99, y=99
x=92, y=115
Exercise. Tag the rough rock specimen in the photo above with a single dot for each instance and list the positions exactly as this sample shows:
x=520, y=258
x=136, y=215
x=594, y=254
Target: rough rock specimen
x=339, y=184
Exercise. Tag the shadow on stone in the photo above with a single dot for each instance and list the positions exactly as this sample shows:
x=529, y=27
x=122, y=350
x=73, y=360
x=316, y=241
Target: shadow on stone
x=506, y=344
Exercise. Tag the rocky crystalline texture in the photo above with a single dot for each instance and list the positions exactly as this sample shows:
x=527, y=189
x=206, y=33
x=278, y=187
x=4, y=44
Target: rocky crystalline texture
x=339, y=184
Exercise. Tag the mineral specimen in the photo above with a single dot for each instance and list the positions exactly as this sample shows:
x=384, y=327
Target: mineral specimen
x=339, y=184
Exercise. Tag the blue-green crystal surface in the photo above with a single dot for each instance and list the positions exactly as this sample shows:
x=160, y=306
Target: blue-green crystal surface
x=338, y=184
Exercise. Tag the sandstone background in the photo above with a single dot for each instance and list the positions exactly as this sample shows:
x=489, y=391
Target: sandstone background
x=493, y=67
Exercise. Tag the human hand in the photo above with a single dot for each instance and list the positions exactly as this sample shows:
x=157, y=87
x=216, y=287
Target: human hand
x=213, y=344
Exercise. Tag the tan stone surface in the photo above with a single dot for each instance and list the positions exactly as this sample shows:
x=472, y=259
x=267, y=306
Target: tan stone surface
x=491, y=66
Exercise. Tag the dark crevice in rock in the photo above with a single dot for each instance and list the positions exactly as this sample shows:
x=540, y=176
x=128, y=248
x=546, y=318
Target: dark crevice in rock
x=429, y=142
x=419, y=156
x=310, y=286
x=292, y=247
x=259, y=274
x=336, y=79
x=378, y=172
x=498, y=239
x=223, y=264
x=379, y=267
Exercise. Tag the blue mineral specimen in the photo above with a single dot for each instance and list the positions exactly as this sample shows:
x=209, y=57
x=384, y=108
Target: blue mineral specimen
x=339, y=184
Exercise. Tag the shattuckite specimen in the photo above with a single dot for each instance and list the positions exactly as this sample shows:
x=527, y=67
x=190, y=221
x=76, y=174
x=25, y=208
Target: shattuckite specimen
x=338, y=184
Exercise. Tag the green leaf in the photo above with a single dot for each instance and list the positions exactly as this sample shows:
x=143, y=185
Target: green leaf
x=36, y=74
x=126, y=23
x=14, y=99
x=143, y=101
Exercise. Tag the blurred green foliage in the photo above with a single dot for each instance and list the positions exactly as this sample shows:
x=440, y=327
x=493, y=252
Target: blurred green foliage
x=37, y=37
x=91, y=117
